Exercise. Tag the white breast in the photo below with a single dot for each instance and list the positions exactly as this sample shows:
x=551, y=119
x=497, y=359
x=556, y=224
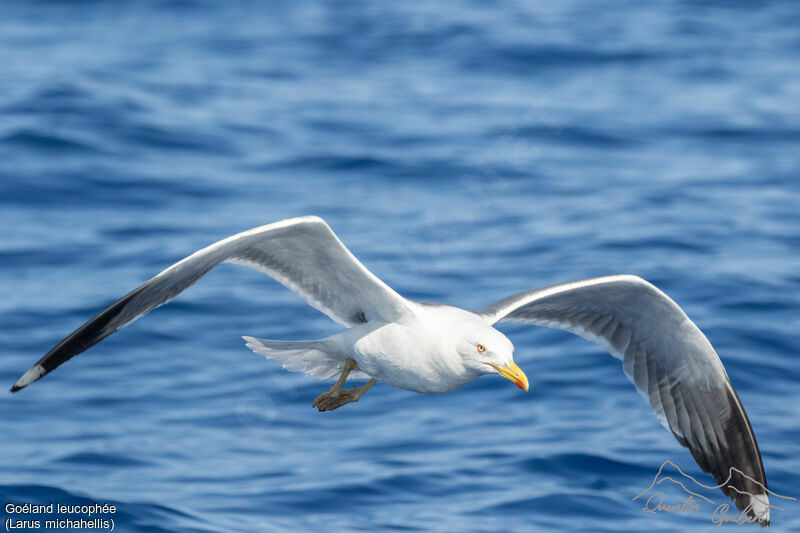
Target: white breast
x=416, y=356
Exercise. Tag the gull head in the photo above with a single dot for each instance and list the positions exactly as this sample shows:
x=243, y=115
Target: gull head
x=487, y=351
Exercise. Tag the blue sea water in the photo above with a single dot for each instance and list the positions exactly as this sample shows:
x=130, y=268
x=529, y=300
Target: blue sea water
x=463, y=151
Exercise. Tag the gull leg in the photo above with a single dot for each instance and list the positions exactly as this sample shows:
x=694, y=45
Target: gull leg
x=349, y=365
x=333, y=393
x=336, y=397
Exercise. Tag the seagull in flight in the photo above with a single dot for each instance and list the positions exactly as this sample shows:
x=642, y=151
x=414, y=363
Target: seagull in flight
x=435, y=348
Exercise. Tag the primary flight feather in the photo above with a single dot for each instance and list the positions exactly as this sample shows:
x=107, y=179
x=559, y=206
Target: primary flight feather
x=663, y=352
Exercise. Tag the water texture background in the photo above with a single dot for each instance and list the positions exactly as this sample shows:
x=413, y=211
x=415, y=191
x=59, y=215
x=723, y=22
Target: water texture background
x=463, y=151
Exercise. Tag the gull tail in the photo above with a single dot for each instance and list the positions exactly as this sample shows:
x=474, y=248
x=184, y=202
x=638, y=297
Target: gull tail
x=322, y=358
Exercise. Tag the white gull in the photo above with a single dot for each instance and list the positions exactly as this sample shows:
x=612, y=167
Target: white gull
x=433, y=348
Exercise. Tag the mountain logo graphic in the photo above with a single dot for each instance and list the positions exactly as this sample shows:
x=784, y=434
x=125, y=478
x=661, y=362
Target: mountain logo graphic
x=697, y=496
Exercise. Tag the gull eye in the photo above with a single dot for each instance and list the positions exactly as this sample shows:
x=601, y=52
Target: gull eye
x=481, y=348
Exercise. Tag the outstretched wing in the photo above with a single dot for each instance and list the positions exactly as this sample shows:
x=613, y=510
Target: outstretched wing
x=671, y=363
x=301, y=253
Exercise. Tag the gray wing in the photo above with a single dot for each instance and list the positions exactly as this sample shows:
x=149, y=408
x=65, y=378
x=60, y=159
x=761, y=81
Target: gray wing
x=671, y=363
x=302, y=253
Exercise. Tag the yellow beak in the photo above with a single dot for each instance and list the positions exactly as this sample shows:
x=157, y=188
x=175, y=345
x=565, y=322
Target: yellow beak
x=513, y=373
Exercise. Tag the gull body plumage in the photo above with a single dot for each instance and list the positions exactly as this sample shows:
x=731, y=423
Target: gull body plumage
x=434, y=348
x=435, y=351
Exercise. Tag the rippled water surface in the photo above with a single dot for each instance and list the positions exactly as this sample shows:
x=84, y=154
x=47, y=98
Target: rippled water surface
x=463, y=151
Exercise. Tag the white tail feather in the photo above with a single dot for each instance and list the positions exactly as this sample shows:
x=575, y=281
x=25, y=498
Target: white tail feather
x=318, y=358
